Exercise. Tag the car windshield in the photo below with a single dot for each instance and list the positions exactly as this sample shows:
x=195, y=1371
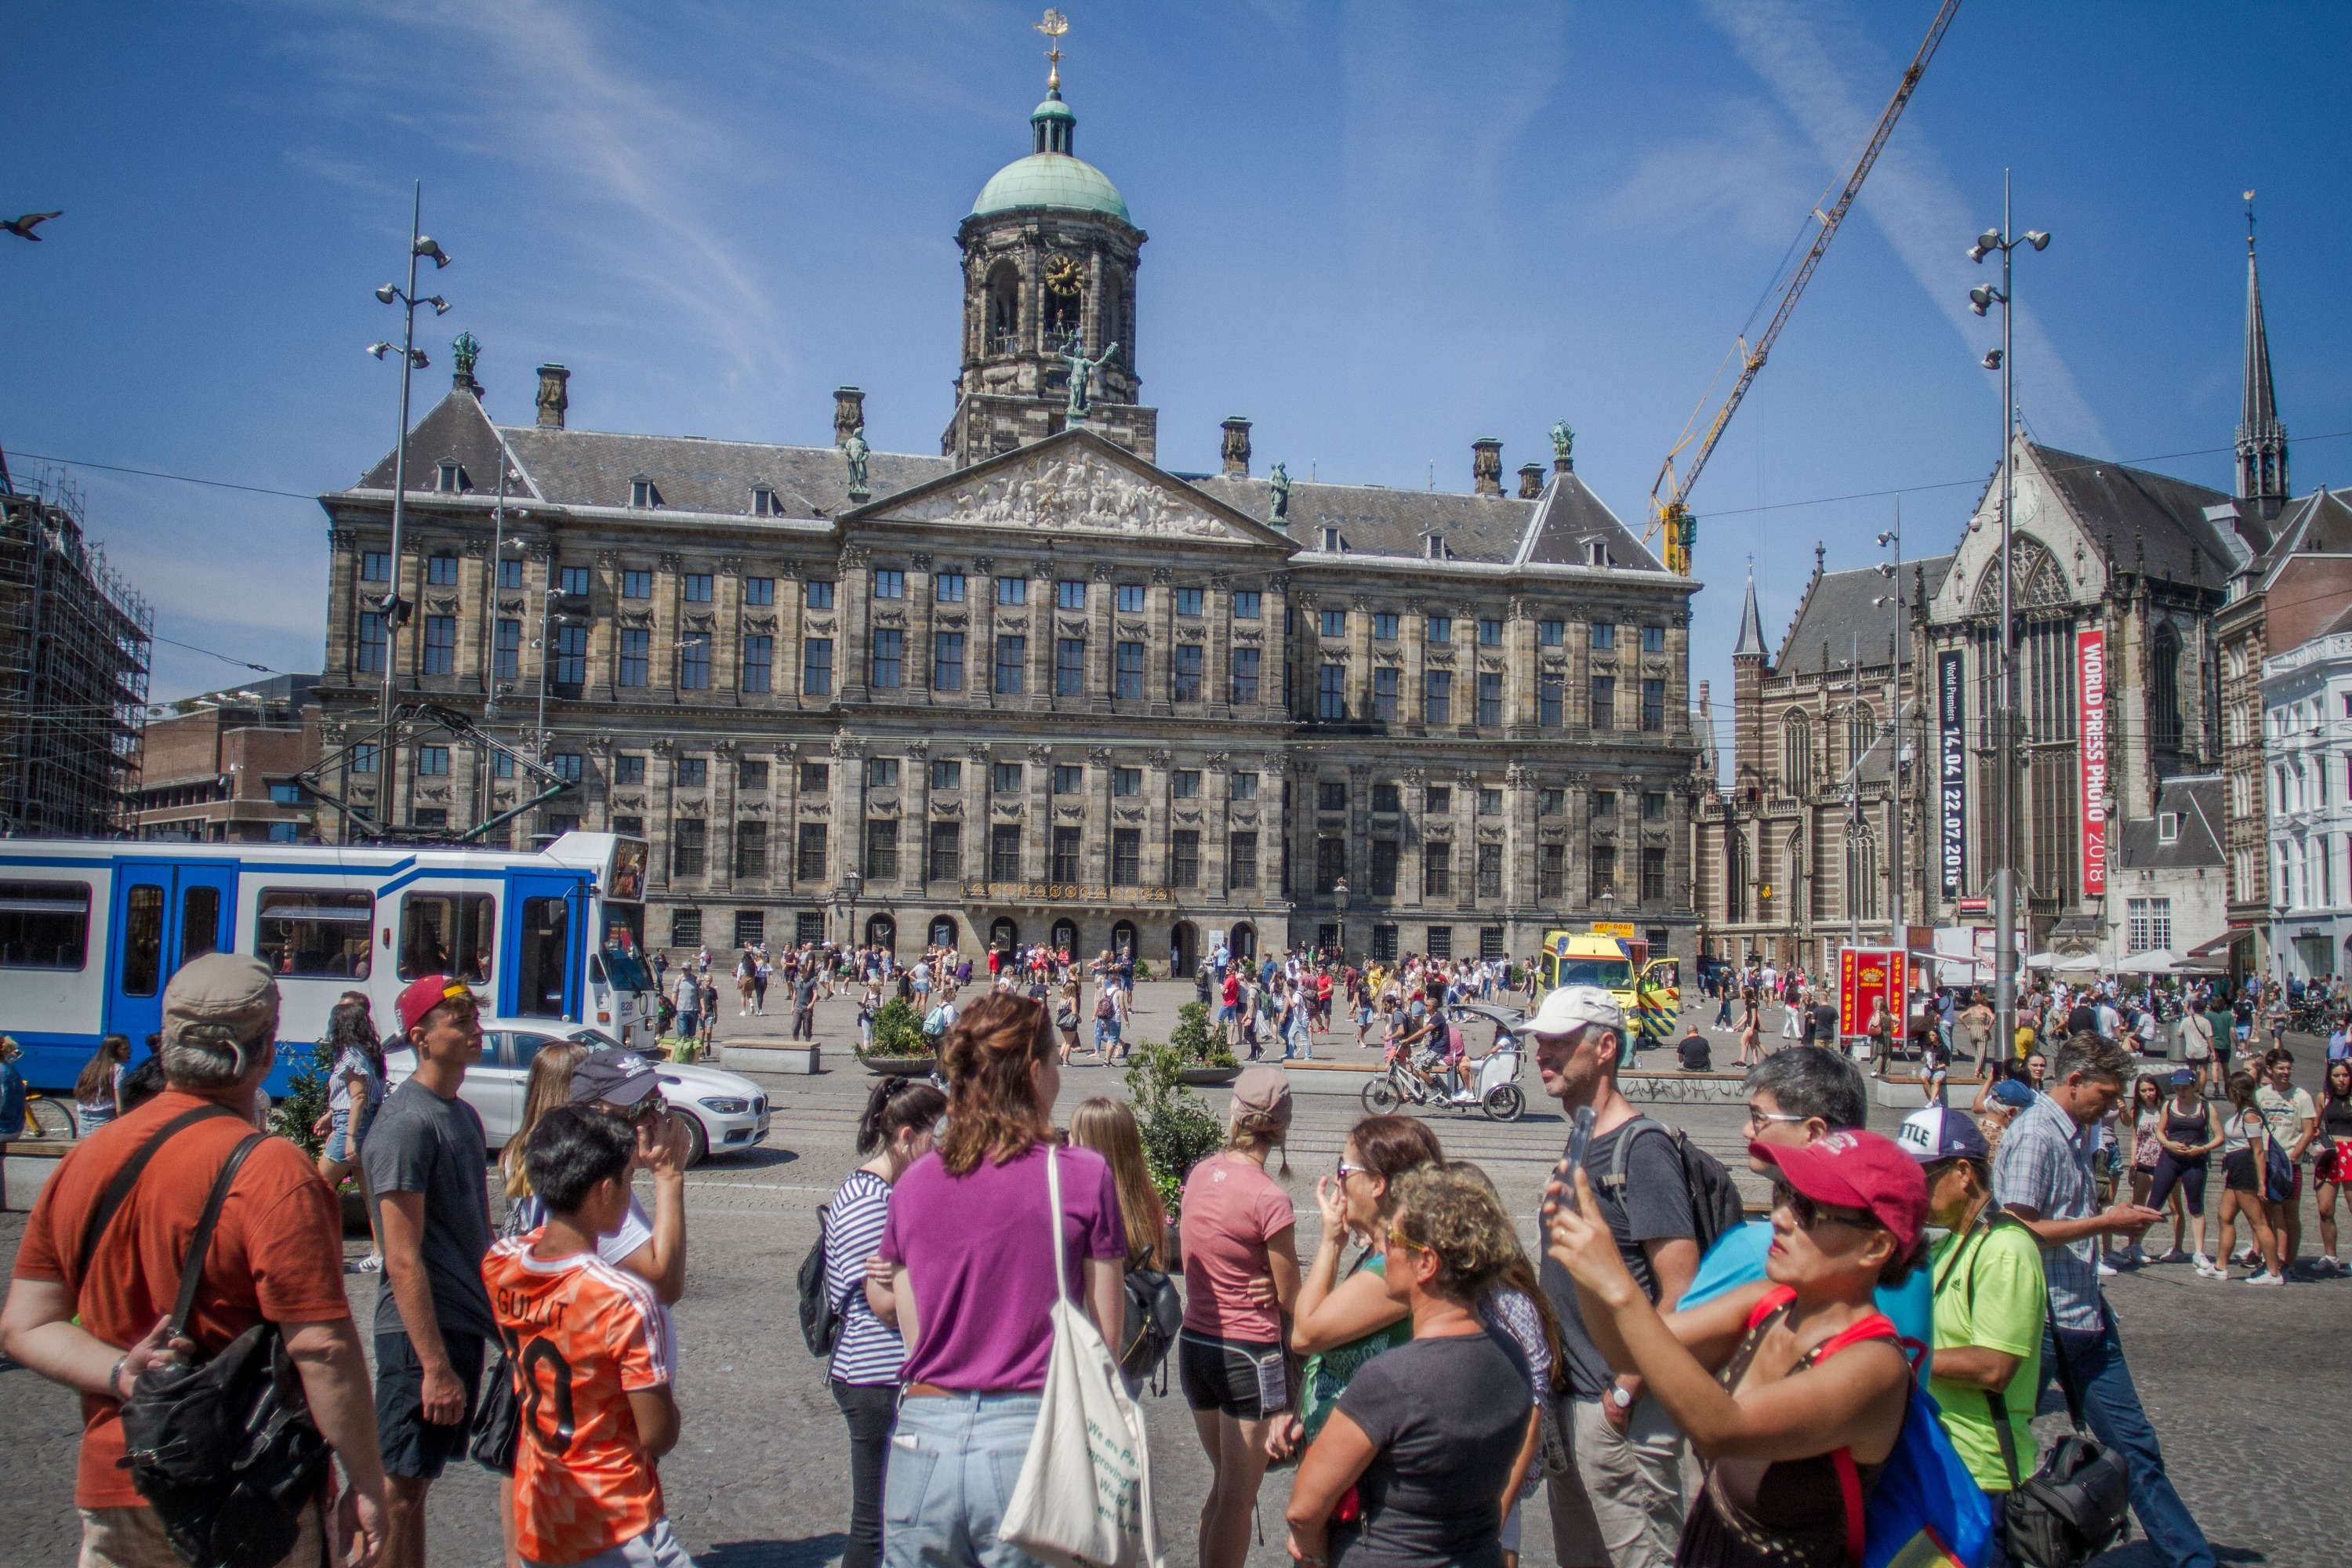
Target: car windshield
x=1609, y=974
x=595, y=1039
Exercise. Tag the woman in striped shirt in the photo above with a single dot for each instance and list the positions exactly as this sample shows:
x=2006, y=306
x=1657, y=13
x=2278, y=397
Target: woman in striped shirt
x=896, y=1132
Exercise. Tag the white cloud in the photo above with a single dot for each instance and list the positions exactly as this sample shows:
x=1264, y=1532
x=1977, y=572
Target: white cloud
x=548, y=86
x=1914, y=201
x=1746, y=170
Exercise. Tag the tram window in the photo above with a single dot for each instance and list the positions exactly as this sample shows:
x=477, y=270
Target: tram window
x=199, y=923
x=142, y=940
x=546, y=950
x=44, y=925
x=448, y=933
x=314, y=931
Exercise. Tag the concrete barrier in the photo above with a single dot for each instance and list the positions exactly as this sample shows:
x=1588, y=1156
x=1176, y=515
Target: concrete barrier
x=771, y=1057
x=1684, y=1088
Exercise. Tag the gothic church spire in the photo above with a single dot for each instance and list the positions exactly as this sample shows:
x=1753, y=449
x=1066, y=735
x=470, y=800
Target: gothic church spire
x=2262, y=440
x=1751, y=624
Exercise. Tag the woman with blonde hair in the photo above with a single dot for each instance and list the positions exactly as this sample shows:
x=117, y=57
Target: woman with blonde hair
x=1107, y=1127
x=1433, y=1439
x=972, y=1284
x=1238, y=1231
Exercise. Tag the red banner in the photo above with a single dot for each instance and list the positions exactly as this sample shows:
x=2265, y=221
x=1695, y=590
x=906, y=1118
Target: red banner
x=1865, y=975
x=2090, y=671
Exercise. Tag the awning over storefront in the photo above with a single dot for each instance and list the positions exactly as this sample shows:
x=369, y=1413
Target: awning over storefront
x=2223, y=943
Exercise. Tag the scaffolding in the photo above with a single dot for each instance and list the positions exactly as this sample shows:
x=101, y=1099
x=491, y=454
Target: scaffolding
x=74, y=649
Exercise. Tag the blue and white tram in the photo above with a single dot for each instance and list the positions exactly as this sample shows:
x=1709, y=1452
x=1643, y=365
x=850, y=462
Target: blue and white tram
x=91, y=929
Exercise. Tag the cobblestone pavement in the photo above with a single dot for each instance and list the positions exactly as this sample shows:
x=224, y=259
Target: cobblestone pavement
x=2247, y=1416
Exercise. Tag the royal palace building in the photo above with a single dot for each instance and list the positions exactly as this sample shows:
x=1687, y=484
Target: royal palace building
x=1035, y=687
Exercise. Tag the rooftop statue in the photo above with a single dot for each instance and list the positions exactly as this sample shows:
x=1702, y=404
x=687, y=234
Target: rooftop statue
x=1563, y=442
x=1082, y=373
x=856, y=450
x=1279, y=482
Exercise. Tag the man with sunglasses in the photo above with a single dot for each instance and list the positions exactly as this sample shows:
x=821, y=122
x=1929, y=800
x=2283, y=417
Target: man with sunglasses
x=1798, y=1096
x=1620, y=1502
x=424, y=1160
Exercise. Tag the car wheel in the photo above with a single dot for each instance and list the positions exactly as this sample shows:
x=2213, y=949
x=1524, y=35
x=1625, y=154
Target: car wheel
x=698, y=1141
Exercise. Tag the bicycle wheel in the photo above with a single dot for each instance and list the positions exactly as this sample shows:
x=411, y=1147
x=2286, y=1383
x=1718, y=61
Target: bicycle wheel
x=1381, y=1096
x=45, y=1117
x=1504, y=1102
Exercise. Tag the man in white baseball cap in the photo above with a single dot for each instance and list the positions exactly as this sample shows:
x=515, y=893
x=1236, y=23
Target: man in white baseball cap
x=1620, y=1502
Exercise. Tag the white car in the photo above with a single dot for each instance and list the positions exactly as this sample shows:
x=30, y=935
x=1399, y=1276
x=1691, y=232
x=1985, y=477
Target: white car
x=726, y=1113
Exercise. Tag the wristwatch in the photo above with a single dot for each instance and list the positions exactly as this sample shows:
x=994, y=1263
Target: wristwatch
x=1620, y=1396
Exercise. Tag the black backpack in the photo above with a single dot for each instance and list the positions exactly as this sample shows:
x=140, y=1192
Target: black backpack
x=1155, y=1315
x=1716, y=1205
x=223, y=1449
x=820, y=1313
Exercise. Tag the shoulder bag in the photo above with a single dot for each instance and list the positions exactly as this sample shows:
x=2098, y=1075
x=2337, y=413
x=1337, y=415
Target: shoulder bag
x=224, y=1449
x=1083, y=1498
x=2078, y=1503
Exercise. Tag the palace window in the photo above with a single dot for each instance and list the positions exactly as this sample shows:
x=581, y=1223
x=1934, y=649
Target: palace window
x=1245, y=604
x=1184, y=672
x=758, y=591
x=696, y=586
x=1070, y=593
x=636, y=644
x=689, y=843
x=1384, y=868
x=440, y=645
x=1241, y=860
x=636, y=584
x=1070, y=666
x=1069, y=778
x=1436, y=868
x=1437, y=697
x=889, y=583
x=819, y=594
x=1241, y=787
x=1605, y=703
x=441, y=570
x=882, y=773
x=1184, y=858
x=1331, y=692
x=1490, y=696
x=1244, y=677
x=1012, y=665
x=693, y=773
x=694, y=662
x=888, y=657
x=1068, y=843
x=1654, y=705
x=629, y=768
x=1490, y=870
x=947, y=588
x=947, y=851
x=1126, y=856
x=506, y=654
x=947, y=661
x=1127, y=674
x=1004, y=852
x=1490, y=634
x=758, y=662
x=808, y=860
x=1188, y=600
x=816, y=667
x=1130, y=598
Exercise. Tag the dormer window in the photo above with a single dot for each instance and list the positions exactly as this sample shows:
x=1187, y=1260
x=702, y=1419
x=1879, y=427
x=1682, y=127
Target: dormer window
x=2167, y=827
x=1432, y=547
x=451, y=479
x=764, y=503
x=1332, y=542
x=1596, y=552
x=642, y=492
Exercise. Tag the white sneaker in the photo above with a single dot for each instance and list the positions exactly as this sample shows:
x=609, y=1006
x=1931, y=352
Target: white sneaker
x=2132, y=1254
x=2108, y=1270
x=2330, y=1263
x=2208, y=1271
x=2204, y=1264
x=2243, y=1257
x=2264, y=1279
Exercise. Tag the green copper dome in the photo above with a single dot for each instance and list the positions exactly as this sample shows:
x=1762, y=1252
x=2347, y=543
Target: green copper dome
x=1051, y=179
x=1051, y=176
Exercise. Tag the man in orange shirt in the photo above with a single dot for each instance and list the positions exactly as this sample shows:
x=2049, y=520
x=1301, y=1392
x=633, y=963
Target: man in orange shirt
x=277, y=1256
x=590, y=1347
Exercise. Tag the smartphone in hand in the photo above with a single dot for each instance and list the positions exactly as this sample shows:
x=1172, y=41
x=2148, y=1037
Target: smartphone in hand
x=1580, y=1138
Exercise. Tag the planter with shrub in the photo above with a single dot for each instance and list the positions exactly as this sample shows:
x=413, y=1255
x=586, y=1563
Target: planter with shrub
x=1179, y=1128
x=898, y=1046
x=1206, y=1057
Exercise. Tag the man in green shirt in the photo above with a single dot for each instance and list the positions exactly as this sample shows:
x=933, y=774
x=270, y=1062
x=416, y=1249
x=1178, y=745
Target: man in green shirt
x=1990, y=1300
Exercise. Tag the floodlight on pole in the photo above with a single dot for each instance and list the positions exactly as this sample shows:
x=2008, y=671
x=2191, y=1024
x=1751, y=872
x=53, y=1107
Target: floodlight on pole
x=411, y=360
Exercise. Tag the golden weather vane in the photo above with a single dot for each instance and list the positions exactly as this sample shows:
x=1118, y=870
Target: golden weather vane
x=1054, y=26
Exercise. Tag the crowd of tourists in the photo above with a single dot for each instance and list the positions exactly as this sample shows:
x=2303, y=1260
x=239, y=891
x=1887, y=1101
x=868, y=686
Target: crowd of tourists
x=1686, y=1385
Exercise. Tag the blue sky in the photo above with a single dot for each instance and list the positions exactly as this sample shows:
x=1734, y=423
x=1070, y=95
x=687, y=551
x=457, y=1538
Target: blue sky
x=1379, y=231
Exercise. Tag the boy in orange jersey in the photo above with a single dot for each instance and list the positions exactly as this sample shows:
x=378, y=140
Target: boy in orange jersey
x=590, y=1349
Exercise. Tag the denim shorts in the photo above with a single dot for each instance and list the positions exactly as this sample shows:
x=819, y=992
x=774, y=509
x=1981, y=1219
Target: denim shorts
x=342, y=1144
x=953, y=1462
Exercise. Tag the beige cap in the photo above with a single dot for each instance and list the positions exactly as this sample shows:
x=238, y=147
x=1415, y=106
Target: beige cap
x=1264, y=1091
x=230, y=999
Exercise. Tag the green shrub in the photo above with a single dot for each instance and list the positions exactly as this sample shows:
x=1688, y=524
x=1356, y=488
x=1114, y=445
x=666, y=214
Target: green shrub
x=1193, y=1041
x=306, y=1101
x=897, y=1032
x=1178, y=1127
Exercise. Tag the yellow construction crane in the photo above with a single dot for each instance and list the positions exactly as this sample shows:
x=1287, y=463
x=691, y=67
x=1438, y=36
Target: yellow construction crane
x=1670, y=512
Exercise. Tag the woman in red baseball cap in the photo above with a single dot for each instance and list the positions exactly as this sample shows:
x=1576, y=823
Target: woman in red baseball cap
x=1780, y=1385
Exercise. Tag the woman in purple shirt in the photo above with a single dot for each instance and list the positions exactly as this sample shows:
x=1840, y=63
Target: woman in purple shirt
x=971, y=1285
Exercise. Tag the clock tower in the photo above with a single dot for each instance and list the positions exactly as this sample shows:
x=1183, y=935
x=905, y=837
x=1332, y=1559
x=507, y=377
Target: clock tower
x=1049, y=262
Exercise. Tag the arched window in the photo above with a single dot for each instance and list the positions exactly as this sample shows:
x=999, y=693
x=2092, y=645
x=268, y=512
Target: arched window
x=1862, y=878
x=1736, y=877
x=2164, y=688
x=1122, y=937
x=1066, y=936
x=1797, y=755
x=1861, y=732
x=943, y=931
x=882, y=932
x=1004, y=309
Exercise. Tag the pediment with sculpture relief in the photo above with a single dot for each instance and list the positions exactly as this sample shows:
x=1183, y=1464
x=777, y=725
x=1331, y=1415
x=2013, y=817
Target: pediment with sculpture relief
x=1078, y=483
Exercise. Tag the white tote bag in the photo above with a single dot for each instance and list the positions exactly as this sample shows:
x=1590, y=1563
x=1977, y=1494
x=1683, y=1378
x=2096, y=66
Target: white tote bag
x=1084, y=1499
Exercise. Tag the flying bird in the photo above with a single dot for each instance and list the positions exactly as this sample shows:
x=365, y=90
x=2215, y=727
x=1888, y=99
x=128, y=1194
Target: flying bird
x=22, y=228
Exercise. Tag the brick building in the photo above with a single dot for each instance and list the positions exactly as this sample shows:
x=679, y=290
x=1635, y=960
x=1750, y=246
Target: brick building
x=221, y=767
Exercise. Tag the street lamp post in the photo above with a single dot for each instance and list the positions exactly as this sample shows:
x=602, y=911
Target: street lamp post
x=2004, y=888
x=411, y=360
x=857, y=880
x=1892, y=571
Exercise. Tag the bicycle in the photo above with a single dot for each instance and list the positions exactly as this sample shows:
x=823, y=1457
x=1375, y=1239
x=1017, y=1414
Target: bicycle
x=1411, y=1079
x=48, y=1118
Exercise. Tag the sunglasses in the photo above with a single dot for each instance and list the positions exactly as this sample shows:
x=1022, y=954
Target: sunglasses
x=1810, y=1214
x=1396, y=1237
x=1760, y=1119
x=1343, y=1170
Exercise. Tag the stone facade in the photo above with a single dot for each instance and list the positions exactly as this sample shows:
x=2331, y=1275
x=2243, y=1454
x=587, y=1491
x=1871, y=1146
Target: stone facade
x=1038, y=689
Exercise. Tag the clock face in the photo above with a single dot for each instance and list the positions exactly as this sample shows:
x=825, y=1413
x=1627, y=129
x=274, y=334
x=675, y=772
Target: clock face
x=1062, y=275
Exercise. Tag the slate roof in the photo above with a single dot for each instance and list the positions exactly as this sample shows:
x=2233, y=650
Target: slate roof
x=597, y=468
x=2320, y=521
x=2125, y=510
x=1837, y=605
x=2198, y=801
x=693, y=475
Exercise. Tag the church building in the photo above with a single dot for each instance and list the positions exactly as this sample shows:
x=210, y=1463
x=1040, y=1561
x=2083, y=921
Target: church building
x=1036, y=688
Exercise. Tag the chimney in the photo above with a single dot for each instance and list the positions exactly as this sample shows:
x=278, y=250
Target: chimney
x=554, y=395
x=849, y=413
x=1236, y=451
x=1531, y=481
x=1487, y=466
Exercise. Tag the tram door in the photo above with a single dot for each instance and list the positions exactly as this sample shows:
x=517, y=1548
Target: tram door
x=165, y=913
x=540, y=974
